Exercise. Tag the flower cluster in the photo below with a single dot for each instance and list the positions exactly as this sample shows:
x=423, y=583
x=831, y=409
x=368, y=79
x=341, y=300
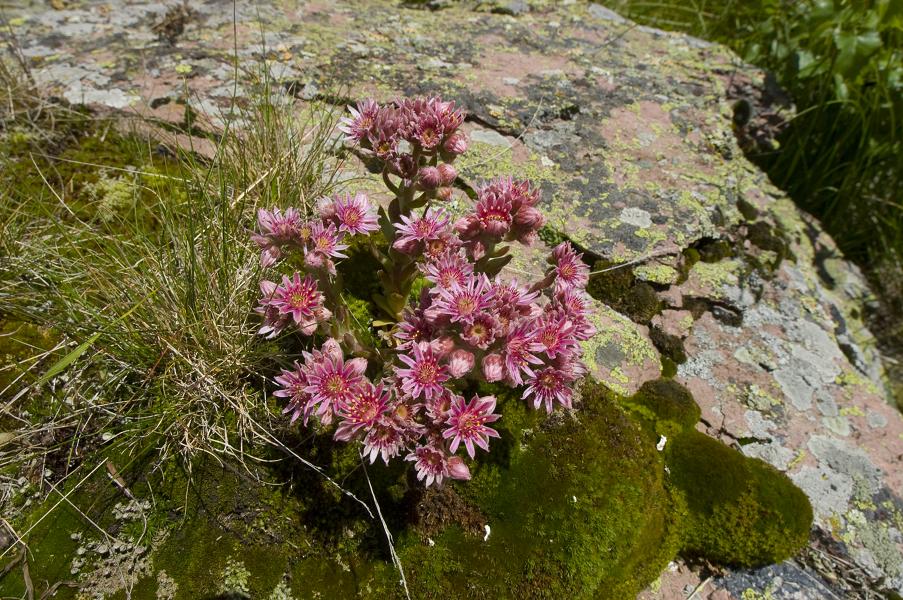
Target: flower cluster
x=414, y=396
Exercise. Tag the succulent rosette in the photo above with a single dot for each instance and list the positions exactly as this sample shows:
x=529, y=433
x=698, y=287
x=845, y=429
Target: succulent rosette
x=469, y=325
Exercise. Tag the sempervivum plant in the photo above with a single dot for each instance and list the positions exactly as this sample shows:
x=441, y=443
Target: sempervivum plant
x=412, y=397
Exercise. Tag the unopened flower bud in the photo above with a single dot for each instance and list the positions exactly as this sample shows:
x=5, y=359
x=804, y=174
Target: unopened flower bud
x=468, y=226
x=358, y=365
x=326, y=208
x=406, y=245
x=447, y=174
x=460, y=362
x=456, y=144
x=332, y=349
x=493, y=367
x=529, y=216
x=443, y=345
x=445, y=193
x=457, y=469
x=430, y=178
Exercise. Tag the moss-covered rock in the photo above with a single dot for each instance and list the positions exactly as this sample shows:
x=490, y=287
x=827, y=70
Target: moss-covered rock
x=740, y=510
x=619, y=288
x=581, y=512
x=665, y=401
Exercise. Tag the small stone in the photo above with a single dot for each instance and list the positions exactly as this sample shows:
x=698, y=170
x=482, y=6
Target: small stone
x=606, y=14
x=512, y=7
x=309, y=91
x=103, y=549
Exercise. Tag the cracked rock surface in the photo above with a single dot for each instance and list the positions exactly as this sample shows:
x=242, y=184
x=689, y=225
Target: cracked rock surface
x=628, y=132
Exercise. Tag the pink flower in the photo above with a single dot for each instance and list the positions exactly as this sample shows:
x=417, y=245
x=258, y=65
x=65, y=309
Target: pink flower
x=457, y=469
x=383, y=439
x=301, y=300
x=324, y=241
x=493, y=211
x=570, y=270
x=445, y=243
x=437, y=407
x=427, y=131
x=413, y=328
x=274, y=322
x=358, y=125
x=512, y=300
x=548, y=385
x=276, y=231
x=575, y=304
x=481, y=332
x=430, y=120
x=333, y=382
x=519, y=192
x=366, y=406
x=449, y=271
x=460, y=363
x=415, y=232
x=518, y=352
x=383, y=134
x=279, y=226
x=462, y=304
x=355, y=214
x=467, y=423
x=425, y=375
x=431, y=464
x=493, y=367
x=293, y=384
x=554, y=334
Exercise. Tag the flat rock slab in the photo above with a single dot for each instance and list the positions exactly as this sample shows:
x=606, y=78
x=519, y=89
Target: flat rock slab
x=628, y=132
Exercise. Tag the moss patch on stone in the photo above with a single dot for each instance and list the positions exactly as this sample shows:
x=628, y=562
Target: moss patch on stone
x=740, y=511
x=667, y=403
x=580, y=512
x=620, y=289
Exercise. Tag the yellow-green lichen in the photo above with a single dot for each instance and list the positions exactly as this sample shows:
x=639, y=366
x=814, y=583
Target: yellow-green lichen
x=656, y=273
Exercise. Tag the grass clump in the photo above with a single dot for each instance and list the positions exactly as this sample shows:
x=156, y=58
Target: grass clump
x=145, y=260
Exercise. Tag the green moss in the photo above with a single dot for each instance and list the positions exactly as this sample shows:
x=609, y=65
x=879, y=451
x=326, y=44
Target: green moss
x=641, y=303
x=740, y=511
x=665, y=400
x=582, y=514
x=712, y=251
x=18, y=342
x=551, y=237
x=620, y=289
x=669, y=345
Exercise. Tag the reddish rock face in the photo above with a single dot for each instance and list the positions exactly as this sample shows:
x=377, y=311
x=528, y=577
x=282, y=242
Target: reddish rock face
x=628, y=132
